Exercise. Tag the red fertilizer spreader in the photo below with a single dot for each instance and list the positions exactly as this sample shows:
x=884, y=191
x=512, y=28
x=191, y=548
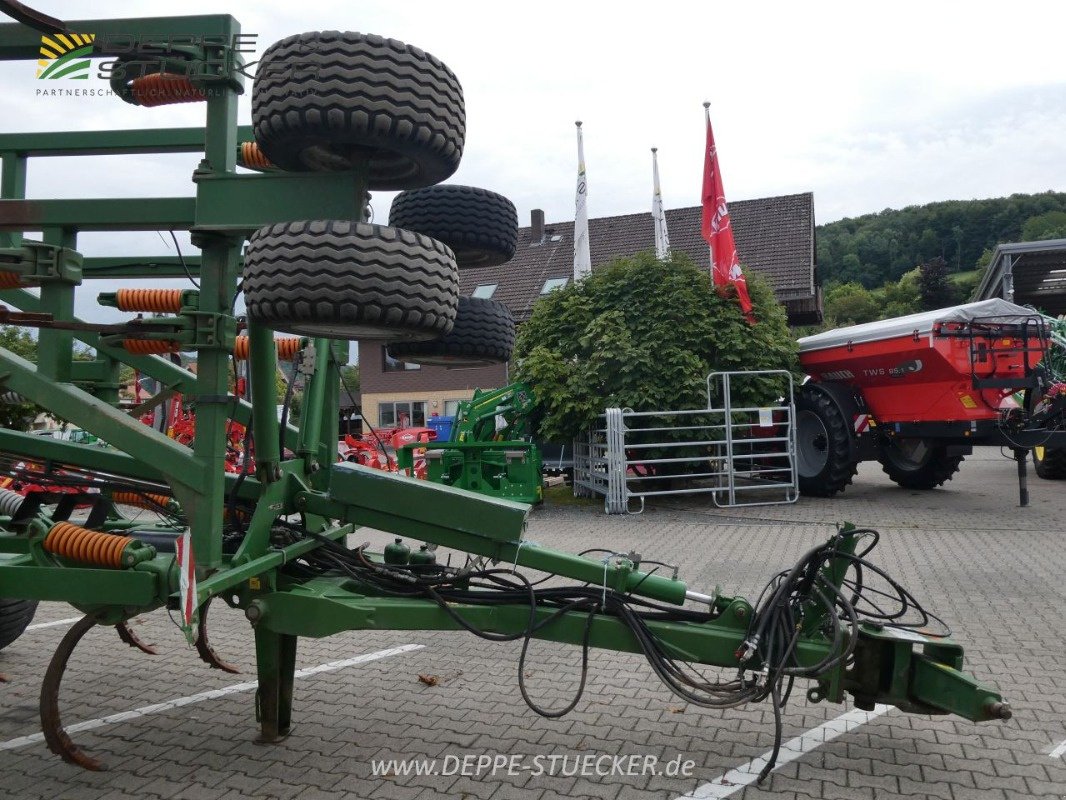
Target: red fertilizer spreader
x=917, y=393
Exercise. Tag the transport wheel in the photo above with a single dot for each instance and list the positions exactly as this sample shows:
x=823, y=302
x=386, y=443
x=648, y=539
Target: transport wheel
x=350, y=280
x=917, y=464
x=483, y=334
x=327, y=100
x=824, y=462
x=481, y=227
x=15, y=615
x=1050, y=463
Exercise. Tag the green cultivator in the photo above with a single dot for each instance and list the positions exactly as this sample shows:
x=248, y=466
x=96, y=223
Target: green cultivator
x=335, y=115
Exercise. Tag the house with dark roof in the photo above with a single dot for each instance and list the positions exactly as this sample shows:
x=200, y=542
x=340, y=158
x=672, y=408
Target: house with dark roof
x=774, y=236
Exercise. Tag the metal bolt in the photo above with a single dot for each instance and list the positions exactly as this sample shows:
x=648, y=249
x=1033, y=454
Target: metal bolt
x=254, y=612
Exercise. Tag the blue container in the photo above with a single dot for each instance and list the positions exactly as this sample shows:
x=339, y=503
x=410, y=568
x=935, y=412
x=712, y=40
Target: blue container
x=443, y=427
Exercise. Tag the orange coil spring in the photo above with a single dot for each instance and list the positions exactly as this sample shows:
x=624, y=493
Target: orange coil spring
x=254, y=158
x=287, y=347
x=152, y=502
x=89, y=547
x=10, y=280
x=164, y=89
x=161, y=300
x=147, y=347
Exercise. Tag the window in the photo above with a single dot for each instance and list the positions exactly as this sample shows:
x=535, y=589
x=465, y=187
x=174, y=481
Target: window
x=390, y=364
x=406, y=414
x=485, y=290
x=451, y=408
x=552, y=284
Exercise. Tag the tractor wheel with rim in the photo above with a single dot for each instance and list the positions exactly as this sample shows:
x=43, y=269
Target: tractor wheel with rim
x=15, y=615
x=1050, y=463
x=917, y=463
x=483, y=334
x=331, y=100
x=481, y=227
x=824, y=460
x=350, y=280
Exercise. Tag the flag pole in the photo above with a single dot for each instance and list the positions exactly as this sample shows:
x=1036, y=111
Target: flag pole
x=582, y=255
x=658, y=213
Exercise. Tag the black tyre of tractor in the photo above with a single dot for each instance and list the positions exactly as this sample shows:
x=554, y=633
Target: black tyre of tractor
x=328, y=100
x=350, y=280
x=481, y=227
x=15, y=615
x=824, y=461
x=917, y=464
x=483, y=334
x=1050, y=463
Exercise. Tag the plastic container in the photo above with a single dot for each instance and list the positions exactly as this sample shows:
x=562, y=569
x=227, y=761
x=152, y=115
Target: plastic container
x=443, y=427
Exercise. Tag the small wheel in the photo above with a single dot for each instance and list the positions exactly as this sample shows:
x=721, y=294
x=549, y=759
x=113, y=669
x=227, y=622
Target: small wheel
x=824, y=462
x=480, y=226
x=483, y=334
x=15, y=615
x=350, y=280
x=917, y=463
x=327, y=100
x=1050, y=463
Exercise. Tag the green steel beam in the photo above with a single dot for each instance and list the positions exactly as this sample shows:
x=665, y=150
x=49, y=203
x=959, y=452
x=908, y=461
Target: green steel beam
x=119, y=429
x=94, y=457
x=18, y=42
x=104, y=214
x=111, y=143
x=142, y=267
x=81, y=586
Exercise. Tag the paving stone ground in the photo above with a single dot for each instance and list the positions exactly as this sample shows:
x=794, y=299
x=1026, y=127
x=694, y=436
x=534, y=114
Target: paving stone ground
x=993, y=571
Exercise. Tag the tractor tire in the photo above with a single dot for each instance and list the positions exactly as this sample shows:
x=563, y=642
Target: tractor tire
x=15, y=615
x=918, y=464
x=1050, y=463
x=824, y=463
x=483, y=334
x=330, y=100
x=481, y=227
x=350, y=280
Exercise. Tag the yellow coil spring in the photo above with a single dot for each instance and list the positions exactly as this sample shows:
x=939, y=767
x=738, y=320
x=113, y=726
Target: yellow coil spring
x=163, y=89
x=147, y=347
x=252, y=157
x=160, y=300
x=89, y=547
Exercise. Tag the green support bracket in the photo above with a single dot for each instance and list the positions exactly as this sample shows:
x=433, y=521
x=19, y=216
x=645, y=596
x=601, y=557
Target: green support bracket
x=36, y=263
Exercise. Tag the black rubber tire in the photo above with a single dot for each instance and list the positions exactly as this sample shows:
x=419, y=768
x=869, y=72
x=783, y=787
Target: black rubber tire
x=350, y=280
x=824, y=463
x=15, y=615
x=1050, y=463
x=325, y=100
x=483, y=334
x=932, y=469
x=481, y=227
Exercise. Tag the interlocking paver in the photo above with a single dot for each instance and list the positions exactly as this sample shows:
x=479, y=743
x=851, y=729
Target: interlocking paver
x=992, y=570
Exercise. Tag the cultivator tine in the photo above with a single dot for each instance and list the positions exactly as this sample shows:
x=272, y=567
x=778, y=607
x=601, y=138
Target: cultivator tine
x=126, y=634
x=51, y=725
x=203, y=647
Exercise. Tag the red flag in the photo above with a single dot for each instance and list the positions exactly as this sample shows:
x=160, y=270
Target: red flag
x=716, y=228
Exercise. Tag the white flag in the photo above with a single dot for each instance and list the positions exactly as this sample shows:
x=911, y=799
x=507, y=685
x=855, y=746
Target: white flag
x=582, y=257
x=658, y=213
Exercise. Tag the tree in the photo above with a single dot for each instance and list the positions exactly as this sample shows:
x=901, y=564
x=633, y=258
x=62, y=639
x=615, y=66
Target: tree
x=17, y=415
x=1051, y=225
x=850, y=304
x=936, y=291
x=642, y=333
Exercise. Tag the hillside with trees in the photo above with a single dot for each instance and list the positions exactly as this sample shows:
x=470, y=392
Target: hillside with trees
x=876, y=248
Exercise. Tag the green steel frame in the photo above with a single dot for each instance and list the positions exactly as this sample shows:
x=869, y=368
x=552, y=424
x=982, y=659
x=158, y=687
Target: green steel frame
x=331, y=500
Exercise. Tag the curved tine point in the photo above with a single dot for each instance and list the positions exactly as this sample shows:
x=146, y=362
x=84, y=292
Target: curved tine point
x=51, y=724
x=203, y=647
x=126, y=634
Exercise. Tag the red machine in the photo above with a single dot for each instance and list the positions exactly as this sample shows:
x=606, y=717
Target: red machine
x=918, y=392
x=378, y=448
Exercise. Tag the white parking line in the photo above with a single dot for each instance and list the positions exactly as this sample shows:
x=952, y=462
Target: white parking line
x=1058, y=751
x=143, y=711
x=737, y=779
x=53, y=624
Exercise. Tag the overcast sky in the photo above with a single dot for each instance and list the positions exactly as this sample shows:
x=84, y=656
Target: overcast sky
x=867, y=105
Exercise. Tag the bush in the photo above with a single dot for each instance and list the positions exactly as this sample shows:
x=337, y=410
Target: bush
x=643, y=333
